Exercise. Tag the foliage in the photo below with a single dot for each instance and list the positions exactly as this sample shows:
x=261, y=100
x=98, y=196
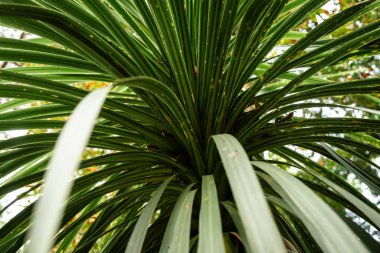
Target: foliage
x=198, y=138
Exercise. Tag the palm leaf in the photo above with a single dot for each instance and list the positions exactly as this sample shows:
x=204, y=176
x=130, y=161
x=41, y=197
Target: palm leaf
x=65, y=160
x=248, y=74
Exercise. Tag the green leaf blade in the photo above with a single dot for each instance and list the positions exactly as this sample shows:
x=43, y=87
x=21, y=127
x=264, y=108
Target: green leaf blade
x=210, y=225
x=136, y=240
x=252, y=206
x=177, y=234
x=68, y=151
x=330, y=232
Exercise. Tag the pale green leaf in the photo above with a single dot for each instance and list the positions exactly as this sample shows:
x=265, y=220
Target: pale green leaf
x=136, y=240
x=177, y=234
x=329, y=231
x=253, y=208
x=210, y=225
x=58, y=178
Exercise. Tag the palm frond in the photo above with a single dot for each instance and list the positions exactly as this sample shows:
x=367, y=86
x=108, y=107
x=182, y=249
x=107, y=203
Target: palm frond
x=210, y=102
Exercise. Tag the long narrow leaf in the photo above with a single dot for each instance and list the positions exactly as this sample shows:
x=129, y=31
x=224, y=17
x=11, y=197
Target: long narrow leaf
x=66, y=159
x=177, y=234
x=330, y=232
x=136, y=240
x=210, y=225
x=252, y=206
